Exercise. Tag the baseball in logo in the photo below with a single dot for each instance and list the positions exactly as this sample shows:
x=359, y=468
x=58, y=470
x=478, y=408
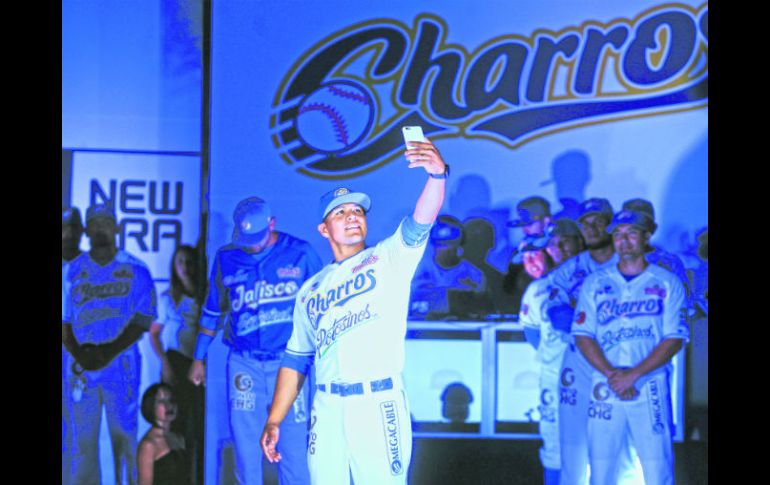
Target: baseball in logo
x=243, y=382
x=335, y=117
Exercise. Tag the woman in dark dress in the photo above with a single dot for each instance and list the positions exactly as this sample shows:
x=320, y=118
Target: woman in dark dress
x=161, y=456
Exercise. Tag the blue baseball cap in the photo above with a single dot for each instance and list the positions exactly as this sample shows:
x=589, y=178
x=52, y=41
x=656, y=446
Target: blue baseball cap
x=563, y=227
x=101, y=210
x=530, y=210
x=634, y=218
x=595, y=205
x=342, y=195
x=447, y=228
x=529, y=243
x=252, y=218
x=641, y=205
x=70, y=216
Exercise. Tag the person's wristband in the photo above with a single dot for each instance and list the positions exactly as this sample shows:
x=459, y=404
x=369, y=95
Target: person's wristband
x=202, y=346
x=441, y=175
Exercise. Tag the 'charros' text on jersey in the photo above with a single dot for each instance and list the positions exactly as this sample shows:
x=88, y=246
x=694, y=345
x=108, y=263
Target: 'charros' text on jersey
x=609, y=310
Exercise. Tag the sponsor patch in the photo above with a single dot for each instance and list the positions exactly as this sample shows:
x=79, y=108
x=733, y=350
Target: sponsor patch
x=392, y=429
x=580, y=318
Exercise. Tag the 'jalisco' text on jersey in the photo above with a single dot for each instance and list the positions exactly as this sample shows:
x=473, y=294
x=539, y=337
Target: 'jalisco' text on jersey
x=258, y=290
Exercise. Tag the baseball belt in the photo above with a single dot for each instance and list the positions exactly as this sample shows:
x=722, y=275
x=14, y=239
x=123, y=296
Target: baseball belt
x=356, y=387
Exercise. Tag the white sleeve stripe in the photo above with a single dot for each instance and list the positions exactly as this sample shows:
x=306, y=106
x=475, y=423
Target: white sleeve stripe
x=211, y=312
x=296, y=352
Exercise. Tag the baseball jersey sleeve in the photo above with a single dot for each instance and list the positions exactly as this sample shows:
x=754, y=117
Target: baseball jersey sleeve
x=584, y=323
x=66, y=286
x=213, y=307
x=528, y=312
x=145, y=298
x=300, y=349
x=675, y=313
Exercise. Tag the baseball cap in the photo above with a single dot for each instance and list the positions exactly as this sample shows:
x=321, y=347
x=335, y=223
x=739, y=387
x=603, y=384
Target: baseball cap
x=447, y=228
x=252, y=219
x=634, y=218
x=342, y=195
x=563, y=227
x=595, y=205
x=70, y=216
x=529, y=243
x=530, y=210
x=100, y=210
x=644, y=206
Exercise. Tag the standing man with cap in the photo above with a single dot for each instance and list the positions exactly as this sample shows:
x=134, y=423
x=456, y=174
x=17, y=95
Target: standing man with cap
x=659, y=256
x=71, y=234
x=548, y=331
x=630, y=321
x=575, y=372
x=252, y=289
x=350, y=322
x=533, y=216
x=108, y=302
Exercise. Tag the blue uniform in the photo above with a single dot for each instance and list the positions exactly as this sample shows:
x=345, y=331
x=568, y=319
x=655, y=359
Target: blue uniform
x=98, y=301
x=255, y=293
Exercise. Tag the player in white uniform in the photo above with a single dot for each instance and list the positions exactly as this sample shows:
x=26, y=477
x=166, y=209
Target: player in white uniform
x=350, y=322
x=550, y=341
x=630, y=321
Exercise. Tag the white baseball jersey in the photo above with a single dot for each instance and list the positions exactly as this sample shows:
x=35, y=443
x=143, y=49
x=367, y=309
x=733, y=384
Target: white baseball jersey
x=352, y=314
x=540, y=295
x=630, y=318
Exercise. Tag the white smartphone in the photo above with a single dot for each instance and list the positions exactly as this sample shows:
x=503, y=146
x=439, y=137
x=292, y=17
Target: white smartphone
x=412, y=133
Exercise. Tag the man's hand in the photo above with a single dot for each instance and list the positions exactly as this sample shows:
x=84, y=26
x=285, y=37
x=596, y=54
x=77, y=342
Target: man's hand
x=92, y=356
x=426, y=155
x=197, y=374
x=269, y=440
x=622, y=381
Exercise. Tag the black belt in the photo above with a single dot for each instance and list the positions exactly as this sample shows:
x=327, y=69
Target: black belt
x=260, y=355
x=357, y=387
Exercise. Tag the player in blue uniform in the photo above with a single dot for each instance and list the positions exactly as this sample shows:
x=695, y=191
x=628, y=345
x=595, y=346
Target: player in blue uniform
x=350, y=324
x=108, y=302
x=630, y=321
x=253, y=285
x=71, y=234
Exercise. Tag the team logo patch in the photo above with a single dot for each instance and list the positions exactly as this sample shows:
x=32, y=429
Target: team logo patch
x=341, y=191
x=655, y=290
x=580, y=318
x=243, y=382
x=122, y=273
x=289, y=272
x=241, y=399
x=370, y=260
x=392, y=430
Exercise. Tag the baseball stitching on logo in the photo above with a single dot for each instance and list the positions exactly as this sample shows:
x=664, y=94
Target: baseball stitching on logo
x=348, y=94
x=337, y=122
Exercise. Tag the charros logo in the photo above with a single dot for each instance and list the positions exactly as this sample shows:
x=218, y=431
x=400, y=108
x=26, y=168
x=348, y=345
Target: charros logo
x=339, y=110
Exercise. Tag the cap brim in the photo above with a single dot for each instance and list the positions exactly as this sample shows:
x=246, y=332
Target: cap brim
x=353, y=197
x=247, y=240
